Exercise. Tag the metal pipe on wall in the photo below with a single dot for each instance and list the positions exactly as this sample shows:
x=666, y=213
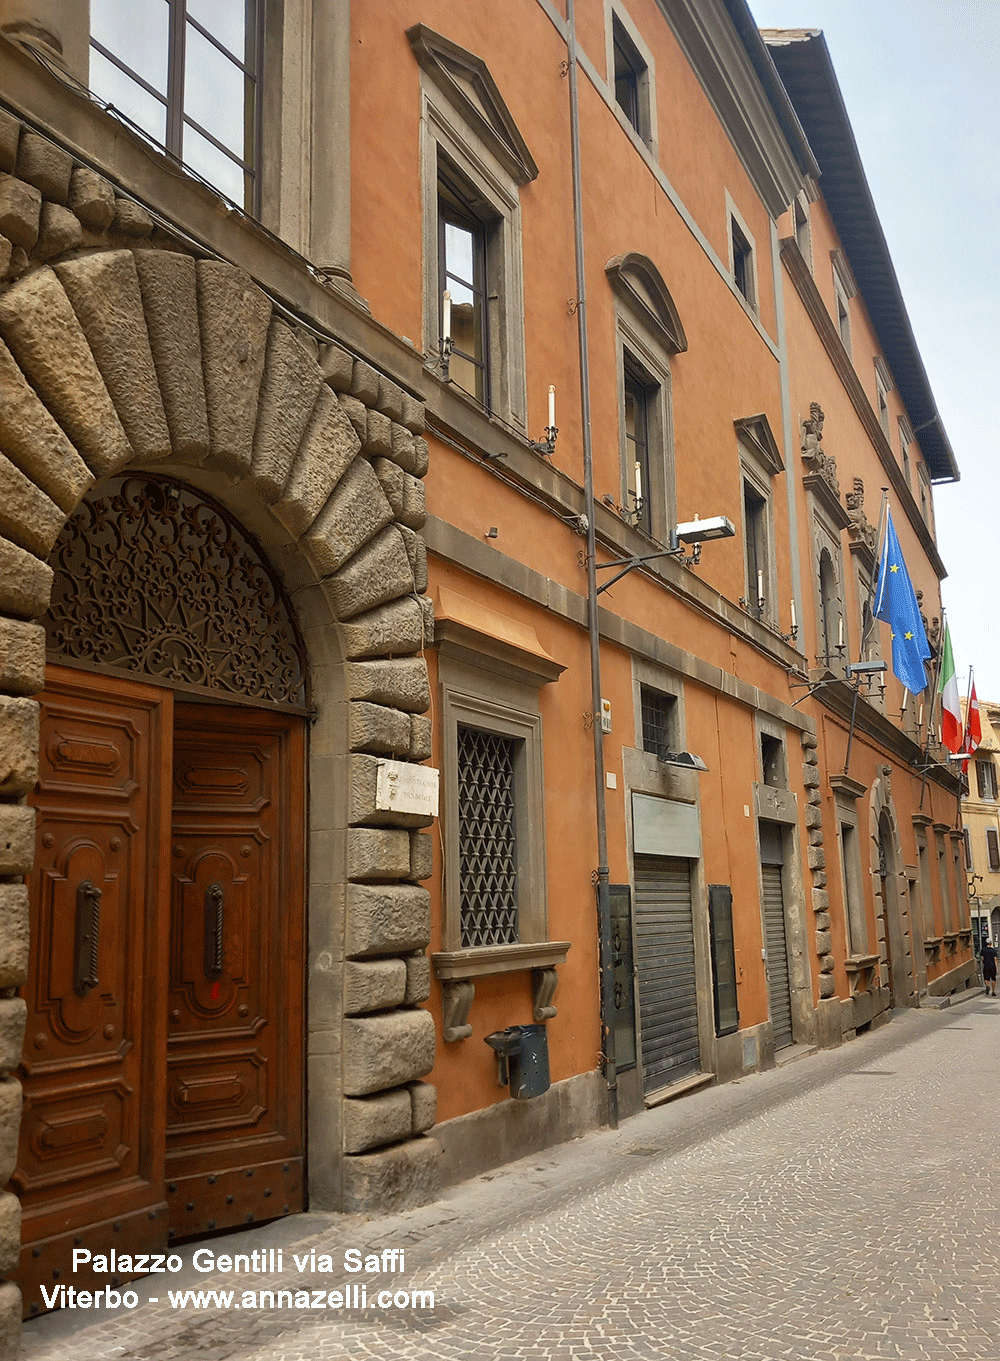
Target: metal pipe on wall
x=603, y=872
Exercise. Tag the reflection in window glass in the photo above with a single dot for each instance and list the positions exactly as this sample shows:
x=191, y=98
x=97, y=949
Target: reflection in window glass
x=226, y=20
x=115, y=87
x=463, y=274
x=137, y=33
x=214, y=165
x=213, y=91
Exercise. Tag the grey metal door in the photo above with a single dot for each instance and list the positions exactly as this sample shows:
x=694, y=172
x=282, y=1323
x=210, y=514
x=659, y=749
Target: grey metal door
x=777, y=956
x=668, y=997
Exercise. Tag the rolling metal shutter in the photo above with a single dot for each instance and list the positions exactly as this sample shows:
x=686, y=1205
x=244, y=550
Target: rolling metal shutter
x=777, y=956
x=668, y=997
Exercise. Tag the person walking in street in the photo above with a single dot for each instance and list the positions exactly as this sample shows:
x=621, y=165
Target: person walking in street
x=990, y=967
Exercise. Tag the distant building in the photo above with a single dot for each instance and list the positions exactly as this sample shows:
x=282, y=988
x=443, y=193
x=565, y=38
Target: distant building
x=981, y=824
x=292, y=520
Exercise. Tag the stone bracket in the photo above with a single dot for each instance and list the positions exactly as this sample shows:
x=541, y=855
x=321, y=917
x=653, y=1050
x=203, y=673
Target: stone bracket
x=457, y=1000
x=543, y=988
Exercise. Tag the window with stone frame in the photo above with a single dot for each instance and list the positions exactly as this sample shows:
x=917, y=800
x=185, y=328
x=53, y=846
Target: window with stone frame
x=844, y=289
x=632, y=77
x=993, y=848
x=187, y=74
x=474, y=164
x=986, y=780
x=487, y=779
x=659, y=714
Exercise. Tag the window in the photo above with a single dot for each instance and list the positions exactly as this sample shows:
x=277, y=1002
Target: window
x=186, y=72
x=649, y=331
x=490, y=670
x=757, y=562
x=474, y=163
x=993, y=847
x=640, y=397
x=772, y=761
x=851, y=864
x=905, y=440
x=844, y=289
x=967, y=839
x=487, y=834
x=659, y=721
x=831, y=618
x=462, y=270
x=986, y=779
x=925, y=495
x=743, y=268
x=631, y=78
x=803, y=235
x=882, y=399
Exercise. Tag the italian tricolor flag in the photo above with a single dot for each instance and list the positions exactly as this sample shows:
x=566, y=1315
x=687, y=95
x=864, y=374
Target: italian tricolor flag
x=951, y=709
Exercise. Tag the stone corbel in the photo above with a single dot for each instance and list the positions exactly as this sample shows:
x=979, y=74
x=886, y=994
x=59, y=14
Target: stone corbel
x=543, y=989
x=950, y=939
x=932, y=948
x=457, y=1000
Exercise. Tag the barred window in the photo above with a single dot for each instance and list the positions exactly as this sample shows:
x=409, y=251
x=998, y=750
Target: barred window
x=487, y=828
x=658, y=710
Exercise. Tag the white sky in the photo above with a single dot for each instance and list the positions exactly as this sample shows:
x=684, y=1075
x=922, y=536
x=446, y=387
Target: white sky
x=920, y=81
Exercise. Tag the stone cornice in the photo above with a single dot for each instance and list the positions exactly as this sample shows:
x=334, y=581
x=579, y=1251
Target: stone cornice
x=798, y=271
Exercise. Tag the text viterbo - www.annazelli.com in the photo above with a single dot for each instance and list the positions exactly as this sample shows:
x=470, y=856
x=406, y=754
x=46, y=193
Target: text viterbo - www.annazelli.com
x=350, y=1296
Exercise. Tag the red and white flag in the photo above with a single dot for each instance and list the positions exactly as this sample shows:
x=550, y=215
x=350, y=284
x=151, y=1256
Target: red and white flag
x=973, y=727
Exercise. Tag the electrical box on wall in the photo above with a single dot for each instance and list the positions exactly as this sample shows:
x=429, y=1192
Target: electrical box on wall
x=605, y=715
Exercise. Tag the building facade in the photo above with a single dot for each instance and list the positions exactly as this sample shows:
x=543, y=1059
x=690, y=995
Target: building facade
x=981, y=825
x=507, y=401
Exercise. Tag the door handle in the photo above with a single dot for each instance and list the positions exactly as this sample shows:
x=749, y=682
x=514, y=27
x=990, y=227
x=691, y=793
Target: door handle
x=215, y=902
x=88, y=937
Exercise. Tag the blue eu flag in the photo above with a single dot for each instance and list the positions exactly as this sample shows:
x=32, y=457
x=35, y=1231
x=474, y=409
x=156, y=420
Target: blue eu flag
x=896, y=605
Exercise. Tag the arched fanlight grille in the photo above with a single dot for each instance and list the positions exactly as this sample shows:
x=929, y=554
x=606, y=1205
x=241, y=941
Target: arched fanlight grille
x=153, y=578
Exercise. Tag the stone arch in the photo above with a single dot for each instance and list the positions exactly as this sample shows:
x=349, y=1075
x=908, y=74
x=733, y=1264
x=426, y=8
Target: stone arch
x=640, y=285
x=116, y=354
x=892, y=918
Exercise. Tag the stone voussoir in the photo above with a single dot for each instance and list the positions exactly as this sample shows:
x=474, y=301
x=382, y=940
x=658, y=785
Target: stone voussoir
x=25, y=582
x=235, y=319
x=169, y=286
x=92, y=199
x=328, y=448
x=27, y=515
x=288, y=393
x=41, y=328
x=387, y=919
x=20, y=211
x=10, y=136
x=34, y=441
x=396, y=629
x=364, y=383
x=44, y=165
x=381, y=572
x=59, y=231
x=104, y=291
x=355, y=513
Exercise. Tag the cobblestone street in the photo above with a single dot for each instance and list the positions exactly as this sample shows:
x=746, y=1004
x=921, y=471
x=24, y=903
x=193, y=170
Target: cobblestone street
x=794, y=1214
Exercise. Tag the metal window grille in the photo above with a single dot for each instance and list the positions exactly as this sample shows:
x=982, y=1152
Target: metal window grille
x=487, y=832
x=657, y=722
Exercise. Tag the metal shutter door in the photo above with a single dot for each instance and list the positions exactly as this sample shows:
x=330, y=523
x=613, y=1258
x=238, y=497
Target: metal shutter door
x=668, y=997
x=777, y=956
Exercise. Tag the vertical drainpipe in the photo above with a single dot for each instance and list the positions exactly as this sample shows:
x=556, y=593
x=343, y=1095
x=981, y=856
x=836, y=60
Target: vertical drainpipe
x=603, y=873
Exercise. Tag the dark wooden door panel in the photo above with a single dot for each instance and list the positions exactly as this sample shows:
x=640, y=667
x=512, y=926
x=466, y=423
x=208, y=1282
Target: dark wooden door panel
x=93, y=1131
x=234, y=1052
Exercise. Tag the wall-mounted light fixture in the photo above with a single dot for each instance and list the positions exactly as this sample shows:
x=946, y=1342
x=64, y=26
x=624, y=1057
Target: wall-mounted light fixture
x=694, y=532
x=446, y=345
x=687, y=760
x=548, y=444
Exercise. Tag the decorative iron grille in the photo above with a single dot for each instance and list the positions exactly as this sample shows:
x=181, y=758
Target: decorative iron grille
x=152, y=578
x=487, y=835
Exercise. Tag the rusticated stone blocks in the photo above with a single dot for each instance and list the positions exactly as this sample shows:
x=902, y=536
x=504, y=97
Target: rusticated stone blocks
x=14, y=921
x=423, y=1100
x=10, y=1230
x=385, y=1050
x=387, y=919
x=10, y=1117
x=375, y=985
x=372, y=1121
x=375, y=853
x=17, y=840
x=18, y=745
x=394, y=1178
x=22, y=658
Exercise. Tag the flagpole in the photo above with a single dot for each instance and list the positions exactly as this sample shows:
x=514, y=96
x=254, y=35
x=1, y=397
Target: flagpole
x=865, y=631
x=926, y=748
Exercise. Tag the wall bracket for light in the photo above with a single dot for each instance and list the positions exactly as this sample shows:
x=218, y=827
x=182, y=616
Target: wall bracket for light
x=693, y=532
x=687, y=760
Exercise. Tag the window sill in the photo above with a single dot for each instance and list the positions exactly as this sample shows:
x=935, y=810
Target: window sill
x=497, y=959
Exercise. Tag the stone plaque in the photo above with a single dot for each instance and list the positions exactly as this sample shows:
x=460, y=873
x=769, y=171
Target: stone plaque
x=406, y=788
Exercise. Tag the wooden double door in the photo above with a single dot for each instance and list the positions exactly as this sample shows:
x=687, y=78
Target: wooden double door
x=162, y=1065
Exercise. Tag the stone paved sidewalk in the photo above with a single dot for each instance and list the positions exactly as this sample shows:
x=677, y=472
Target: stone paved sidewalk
x=847, y=1205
